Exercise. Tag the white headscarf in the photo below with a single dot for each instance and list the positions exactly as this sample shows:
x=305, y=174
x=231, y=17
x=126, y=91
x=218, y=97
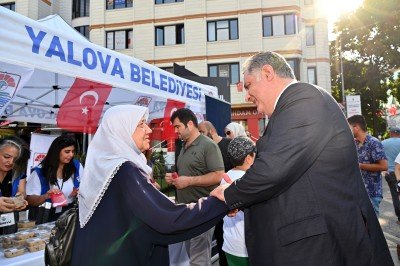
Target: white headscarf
x=112, y=145
x=237, y=129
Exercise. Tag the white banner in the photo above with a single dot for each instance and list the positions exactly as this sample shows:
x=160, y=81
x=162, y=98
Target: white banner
x=39, y=102
x=56, y=49
x=12, y=79
x=40, y=144
x=353, y=105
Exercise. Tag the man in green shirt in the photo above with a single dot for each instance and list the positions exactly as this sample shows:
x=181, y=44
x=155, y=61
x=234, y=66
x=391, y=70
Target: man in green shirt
x=200, y=168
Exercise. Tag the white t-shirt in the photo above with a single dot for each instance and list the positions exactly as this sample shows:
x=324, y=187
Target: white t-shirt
x=397, y=160
x=33, y=186
x=234, y=242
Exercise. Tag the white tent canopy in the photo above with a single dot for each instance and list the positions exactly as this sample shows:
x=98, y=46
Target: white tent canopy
x=58, y=54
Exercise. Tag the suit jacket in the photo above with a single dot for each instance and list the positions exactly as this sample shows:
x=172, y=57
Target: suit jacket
x=305, y=202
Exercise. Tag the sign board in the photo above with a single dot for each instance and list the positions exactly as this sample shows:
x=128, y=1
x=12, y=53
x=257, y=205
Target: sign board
x=353, y=105
x=40, y=144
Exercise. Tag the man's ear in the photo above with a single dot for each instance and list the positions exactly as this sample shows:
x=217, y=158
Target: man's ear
x=268, y=72
x=190, y=124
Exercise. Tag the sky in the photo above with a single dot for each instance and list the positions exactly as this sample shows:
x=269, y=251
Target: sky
x=333, y=9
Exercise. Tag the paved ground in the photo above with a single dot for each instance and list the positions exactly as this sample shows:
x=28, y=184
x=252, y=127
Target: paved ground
x=387, y=219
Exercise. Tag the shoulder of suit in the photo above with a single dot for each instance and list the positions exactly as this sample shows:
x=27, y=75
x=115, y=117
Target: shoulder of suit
x=301, y=89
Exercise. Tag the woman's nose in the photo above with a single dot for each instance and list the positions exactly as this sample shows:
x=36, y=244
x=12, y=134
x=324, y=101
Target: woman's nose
x=148, y=129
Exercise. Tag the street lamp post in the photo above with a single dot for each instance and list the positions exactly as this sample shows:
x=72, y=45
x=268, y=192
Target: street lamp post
x=342, y=76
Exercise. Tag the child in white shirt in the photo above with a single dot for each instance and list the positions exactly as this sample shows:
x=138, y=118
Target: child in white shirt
x=241, y=152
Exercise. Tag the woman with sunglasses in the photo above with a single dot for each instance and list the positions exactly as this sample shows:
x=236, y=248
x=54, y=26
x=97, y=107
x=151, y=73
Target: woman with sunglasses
x=233, y=130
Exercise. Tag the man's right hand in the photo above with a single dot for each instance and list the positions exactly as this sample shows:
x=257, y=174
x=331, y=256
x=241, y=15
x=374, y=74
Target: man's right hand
x=218, y=192
x=6, y=204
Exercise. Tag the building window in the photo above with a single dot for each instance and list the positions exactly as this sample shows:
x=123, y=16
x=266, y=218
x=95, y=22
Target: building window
x=84, y=30
x=310, y=40
x=10, y=6
x=120, y=39
x=308, y=2
x=167, y=1
x=312, y=75
x=279, y=25
x=223, y=30
x=114, y=4
x=80, y=8
x=170, y=35
x=295, y=65
x=230, y=71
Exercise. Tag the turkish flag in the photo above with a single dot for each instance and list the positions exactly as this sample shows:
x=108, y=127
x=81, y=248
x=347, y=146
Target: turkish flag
x=171, y=107
x=169, y=132
x=83, y=105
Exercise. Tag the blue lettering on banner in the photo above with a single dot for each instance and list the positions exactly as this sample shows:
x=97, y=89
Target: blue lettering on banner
x=104, y=64
x=196, y=94
x=89, y=58
x=153, y=81
x=145, y=76
x=36, y=40
x=117, y=69
x=163, y=82
x=171, y=85
x=135, y=73
x=56, y=49
x=189, y=91
x=93, y=64
x=71, y=59
x=36, y=112
x=182, y=85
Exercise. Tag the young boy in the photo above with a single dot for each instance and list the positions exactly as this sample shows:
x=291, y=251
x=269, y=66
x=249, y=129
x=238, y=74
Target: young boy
x=241, y=152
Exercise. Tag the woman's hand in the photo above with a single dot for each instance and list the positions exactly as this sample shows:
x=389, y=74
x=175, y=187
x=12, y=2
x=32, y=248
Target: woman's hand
x=154, y=183
x=6, y=204
x=24, y=202
x=49, y=192
x=74, y=193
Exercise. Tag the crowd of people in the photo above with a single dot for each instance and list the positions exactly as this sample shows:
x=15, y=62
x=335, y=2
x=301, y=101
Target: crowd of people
x=295, y=197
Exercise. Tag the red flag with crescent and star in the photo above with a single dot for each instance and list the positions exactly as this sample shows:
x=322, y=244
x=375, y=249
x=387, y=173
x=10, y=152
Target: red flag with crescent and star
x=83, y=105
x=170, y=108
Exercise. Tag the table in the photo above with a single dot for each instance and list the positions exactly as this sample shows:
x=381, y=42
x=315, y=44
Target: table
x=28, y=259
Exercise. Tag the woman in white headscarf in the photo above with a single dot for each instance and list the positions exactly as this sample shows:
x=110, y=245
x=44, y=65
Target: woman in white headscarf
x=233, y=130
x=123, y=219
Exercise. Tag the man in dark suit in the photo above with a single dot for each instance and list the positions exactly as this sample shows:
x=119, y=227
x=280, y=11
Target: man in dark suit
x=304, y=200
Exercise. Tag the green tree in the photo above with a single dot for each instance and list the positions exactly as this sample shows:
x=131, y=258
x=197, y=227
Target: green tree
x=158, y=164
x=370, y=37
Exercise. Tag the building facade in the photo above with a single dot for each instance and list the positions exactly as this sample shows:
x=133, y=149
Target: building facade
x=209, y=37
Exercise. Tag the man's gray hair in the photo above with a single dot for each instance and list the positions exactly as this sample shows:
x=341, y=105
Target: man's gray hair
x=276, y=61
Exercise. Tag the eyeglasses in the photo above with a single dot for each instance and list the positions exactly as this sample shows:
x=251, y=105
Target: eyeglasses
x=227, y=133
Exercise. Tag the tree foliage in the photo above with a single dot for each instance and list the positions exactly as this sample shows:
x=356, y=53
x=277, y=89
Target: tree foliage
x=370, y=40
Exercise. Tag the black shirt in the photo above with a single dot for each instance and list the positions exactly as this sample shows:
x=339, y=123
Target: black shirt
x=6, y=191
x=223, y=146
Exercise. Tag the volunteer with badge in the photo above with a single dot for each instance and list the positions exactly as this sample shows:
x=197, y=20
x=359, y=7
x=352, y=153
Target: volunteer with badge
x=54, y=184
x=11, y=193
